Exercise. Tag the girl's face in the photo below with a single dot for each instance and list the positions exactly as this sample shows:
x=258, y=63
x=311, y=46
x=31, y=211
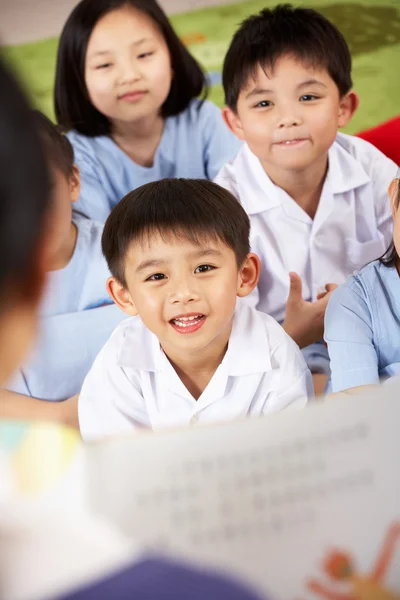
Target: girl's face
x=128, y=69
x=394, y=195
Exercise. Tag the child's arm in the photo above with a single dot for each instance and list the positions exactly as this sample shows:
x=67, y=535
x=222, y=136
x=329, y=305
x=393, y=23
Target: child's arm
x=349, y=335
x=21, y=407
x=304, y=321
x=386, y=553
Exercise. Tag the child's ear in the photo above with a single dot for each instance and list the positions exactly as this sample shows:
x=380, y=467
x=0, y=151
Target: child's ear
x=75, y=183
x=394, y=191
x=231, y=118
x=121, y=296
x=347, y=107
x=249, y=274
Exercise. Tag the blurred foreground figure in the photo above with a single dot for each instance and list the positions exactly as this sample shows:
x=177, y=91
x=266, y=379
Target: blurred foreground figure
x=50, y=545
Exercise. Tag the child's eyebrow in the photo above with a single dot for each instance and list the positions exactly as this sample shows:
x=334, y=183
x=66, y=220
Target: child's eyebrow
x=142, y=41
x=205, y=252
x=145, y=264
x=99, y=53
x=137, y=43
x=310, y=82
x=257, y=92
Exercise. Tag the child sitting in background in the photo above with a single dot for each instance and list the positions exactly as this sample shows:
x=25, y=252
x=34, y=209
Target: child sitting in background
x=362, y=321
x=178, y=251
x=316, y=198
x=77, y=315
x=129, y=90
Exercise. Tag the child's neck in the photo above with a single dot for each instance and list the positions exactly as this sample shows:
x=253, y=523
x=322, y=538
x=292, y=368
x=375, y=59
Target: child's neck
x=196, y=369
x=62, y=256
x=305, y=187
x=139, y=140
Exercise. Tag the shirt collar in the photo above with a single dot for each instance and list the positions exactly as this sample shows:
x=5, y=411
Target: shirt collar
x=258, y=193
x=248, y=349
x=345, y=173
x=140, y=348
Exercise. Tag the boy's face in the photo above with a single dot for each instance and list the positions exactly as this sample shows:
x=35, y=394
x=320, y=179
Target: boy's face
x=289, y=117
x=185, y=293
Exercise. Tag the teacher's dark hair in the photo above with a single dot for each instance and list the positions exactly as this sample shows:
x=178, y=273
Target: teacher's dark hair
x=24, y=188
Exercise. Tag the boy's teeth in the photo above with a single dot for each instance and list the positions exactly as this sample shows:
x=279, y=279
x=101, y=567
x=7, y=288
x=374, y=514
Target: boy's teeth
x=186, y=321
x=188, y=318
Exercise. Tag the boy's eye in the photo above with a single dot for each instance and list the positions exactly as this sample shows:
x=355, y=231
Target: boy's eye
x=263, y=104
x=204, y=268
x=156, y=277
x=308, y=97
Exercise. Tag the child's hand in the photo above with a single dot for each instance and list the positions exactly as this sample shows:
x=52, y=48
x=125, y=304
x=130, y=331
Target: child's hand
x=304, y=321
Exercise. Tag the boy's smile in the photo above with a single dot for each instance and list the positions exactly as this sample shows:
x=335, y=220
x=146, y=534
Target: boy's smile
x=188, y=323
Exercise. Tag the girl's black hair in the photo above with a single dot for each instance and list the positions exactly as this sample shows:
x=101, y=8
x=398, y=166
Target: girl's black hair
x=73, y=107
x=391, y=258
x=24, y=187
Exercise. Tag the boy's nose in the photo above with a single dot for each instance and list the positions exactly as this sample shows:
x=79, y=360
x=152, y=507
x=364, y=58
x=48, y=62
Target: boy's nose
x=183, y=293
x=289, y=117
x=289, y=121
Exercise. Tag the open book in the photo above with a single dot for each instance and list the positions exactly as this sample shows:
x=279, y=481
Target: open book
x=302, y=505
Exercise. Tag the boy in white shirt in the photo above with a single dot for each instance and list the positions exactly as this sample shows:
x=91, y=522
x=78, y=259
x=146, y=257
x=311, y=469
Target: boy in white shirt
x=178, y=251
x=316, y=198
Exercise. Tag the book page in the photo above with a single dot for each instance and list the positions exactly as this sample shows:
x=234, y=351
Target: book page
x=299, y=504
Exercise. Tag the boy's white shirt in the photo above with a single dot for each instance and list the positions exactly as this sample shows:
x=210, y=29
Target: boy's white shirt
x=132, y=384
x=352, y=226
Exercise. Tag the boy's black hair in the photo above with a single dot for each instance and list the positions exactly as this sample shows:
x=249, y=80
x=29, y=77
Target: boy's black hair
x=58, y=148
x=73, y=107
x=24, y=187
x=301, y=32
x=181, y=208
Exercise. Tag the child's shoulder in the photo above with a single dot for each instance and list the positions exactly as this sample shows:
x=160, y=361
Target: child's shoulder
x=132, y=346
x=256, y=325
x=202, y=115
x=366, y=282
x=199, y=109
x=363, y=152
x=89, y=233
x=94, y=150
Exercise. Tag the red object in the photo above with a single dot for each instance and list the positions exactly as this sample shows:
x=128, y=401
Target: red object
x=385, y=137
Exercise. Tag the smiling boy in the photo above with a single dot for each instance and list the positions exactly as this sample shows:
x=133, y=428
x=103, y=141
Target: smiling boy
x=316, y=198
x=178, y=251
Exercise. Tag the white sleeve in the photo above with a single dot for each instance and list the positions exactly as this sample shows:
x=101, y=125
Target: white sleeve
x=294, y=385
x=110, y=402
